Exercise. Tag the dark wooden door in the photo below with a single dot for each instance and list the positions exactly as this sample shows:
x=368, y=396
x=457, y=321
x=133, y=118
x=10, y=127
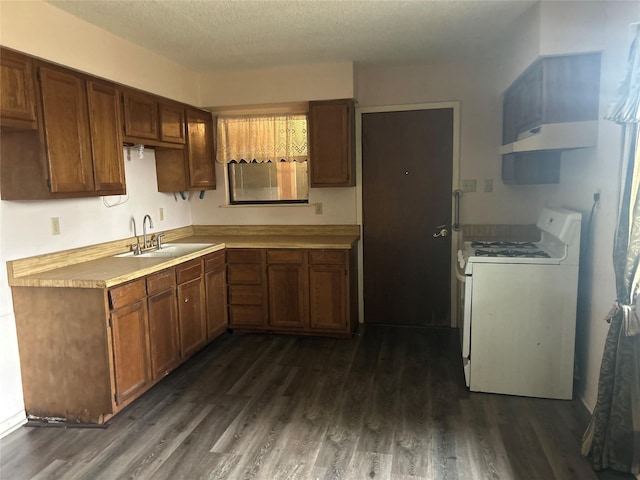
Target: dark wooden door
x=407, y=160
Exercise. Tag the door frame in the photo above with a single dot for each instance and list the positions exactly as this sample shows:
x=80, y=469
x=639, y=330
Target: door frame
x=455, y=184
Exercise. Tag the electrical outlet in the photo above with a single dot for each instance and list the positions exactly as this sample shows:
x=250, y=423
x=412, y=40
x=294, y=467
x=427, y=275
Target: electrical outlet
x=55, y=226
x=161, y=214
x=468, y=186
x=318, y=208
x=488, y=184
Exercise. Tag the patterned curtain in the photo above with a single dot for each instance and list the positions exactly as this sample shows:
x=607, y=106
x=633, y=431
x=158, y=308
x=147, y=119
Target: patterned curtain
x=612, y=439
x=262, y=138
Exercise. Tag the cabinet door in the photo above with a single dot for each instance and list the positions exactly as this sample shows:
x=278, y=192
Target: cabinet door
x=200, y=152
x=193, y=327
x=331, y=143
x=215, y=284
x=17, y=96
x=287, y=299
x=216, y=297
x=328, y=297
x=66, y=130
x=140, y=115
x=106, y=137
x=130, y=350
x=172, y=123
x=531, y=98
x=163, y=332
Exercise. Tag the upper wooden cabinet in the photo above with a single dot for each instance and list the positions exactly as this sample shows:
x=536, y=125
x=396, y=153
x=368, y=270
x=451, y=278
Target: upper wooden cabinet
x=17, y=95
x=66, y=130
x=331, y=143
x=78, y=149
x=194, y=167
x=552, y=90
x=152, y=120
x=106, y=137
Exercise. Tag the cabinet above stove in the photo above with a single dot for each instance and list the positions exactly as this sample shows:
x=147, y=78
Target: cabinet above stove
x=550, y=108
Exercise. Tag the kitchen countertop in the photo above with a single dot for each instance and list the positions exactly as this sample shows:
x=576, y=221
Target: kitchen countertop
x=80, y=269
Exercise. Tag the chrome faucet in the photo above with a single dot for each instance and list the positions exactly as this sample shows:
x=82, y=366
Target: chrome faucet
x=144, y=230
x=136, y=247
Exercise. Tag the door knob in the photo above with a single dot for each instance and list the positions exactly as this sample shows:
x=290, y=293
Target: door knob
x=442, y=231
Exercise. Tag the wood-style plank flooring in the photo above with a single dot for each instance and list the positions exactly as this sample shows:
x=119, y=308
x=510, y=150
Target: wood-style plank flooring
x=388, y=404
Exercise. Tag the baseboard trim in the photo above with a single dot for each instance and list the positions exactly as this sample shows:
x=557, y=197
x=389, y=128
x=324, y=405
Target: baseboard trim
x=12, y=423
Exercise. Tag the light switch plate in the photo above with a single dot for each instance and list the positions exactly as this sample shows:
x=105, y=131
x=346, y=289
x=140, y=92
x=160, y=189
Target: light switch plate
x=468, y=186
x=488, y=185
x=55, y=226
x=161, y=214
x=319, y=208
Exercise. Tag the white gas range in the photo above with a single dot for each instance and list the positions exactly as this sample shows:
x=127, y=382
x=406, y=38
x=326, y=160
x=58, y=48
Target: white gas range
x=518, y=328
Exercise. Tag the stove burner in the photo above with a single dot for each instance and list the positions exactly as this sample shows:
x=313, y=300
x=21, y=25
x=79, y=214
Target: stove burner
x=498, y=244
x=511, y=253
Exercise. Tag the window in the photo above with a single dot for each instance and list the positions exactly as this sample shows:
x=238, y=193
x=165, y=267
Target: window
x=266, y=158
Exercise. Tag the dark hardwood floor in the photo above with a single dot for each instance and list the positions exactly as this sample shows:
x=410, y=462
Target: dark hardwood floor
x=388, y=404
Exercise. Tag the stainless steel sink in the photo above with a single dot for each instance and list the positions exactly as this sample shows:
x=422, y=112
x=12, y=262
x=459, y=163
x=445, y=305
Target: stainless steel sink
x=170, y=250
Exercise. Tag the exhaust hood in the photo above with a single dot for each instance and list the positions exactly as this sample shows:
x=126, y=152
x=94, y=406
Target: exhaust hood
x=555, y=136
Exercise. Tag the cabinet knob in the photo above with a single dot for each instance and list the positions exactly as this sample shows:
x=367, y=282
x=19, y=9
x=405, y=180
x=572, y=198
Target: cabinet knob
x=186, y=300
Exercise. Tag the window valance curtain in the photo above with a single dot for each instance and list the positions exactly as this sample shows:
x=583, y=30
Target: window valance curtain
x=262, y=138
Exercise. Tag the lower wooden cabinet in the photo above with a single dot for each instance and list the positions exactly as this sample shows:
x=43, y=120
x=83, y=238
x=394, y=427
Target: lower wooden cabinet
x=307, y=291
x=286, y=273
x=215, y=285
x=130, y=340
x=193, y=327
x=246, y=276
x=328, y=298
x=86, y=353
x=163, y=322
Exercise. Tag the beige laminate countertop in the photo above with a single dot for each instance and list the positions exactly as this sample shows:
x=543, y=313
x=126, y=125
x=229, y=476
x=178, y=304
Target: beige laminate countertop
x=108, y=271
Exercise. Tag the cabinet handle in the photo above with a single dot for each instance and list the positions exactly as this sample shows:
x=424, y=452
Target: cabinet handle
x=186, y=300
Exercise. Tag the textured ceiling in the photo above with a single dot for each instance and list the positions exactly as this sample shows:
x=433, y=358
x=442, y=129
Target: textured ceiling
x=207, y=35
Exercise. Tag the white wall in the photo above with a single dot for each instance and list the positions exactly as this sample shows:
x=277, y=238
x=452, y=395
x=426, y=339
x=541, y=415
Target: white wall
x=277, y=85
x=39, y=29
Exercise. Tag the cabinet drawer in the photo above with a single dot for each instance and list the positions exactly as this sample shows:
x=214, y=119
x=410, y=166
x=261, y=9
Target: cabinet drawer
x=161, y=281
x=189, y=270
x=244, y=256
x=127, y=294
x=240, y=316
x=246, y=295
x=285, y=256
x=244, y=274
x=214, y=261
x=327, y=257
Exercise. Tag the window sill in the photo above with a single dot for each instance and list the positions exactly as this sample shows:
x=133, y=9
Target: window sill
x=271, y=205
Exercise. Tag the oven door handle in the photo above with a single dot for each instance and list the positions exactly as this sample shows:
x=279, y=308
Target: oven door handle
x=456, y=210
